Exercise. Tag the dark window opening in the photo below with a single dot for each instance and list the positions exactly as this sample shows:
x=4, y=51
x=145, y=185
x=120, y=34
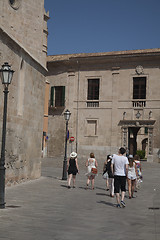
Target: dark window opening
x=57, y=97
x=139, y=88
x=93, y=89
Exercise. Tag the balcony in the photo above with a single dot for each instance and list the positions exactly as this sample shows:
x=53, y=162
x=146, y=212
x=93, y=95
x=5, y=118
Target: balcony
x=93, y=104
x=139, y=103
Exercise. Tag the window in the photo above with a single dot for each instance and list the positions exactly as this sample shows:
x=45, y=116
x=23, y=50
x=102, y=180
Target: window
x=91, y=127
x=139, y=88
x=93, y=89
x=146, y=130
x=57, y=97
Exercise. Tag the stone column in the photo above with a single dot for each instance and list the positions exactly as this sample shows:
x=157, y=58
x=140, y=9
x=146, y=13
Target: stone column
x=124, y=137
x=150, y=144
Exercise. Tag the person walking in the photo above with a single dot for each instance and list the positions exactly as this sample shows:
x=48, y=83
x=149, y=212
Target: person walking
x=119, y=168
x=72, y=168
x=139, y=171
x=105, y=172
x=91, y=165
x=131, y=176
x=111, y=177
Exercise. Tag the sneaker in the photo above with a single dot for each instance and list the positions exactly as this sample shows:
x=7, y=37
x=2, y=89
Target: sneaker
x=123, y=204
x=118, y=206
x=69, y=187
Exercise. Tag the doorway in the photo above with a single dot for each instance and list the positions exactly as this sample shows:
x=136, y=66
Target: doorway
x=132, y=139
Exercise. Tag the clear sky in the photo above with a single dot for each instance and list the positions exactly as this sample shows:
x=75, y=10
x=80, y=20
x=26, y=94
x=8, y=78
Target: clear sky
x=90, y=26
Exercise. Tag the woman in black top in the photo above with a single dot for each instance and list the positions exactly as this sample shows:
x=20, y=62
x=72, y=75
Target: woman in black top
x=110, y=177
x=72, y=168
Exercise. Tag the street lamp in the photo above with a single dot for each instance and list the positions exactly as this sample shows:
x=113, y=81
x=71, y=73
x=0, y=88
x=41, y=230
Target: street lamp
x=67, y=115
x=6, y=77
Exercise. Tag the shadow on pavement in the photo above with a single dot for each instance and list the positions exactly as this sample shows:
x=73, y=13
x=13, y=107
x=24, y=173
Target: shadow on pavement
x=103, y=194
x=65, y=186
x=12, y=206
x=107, y=203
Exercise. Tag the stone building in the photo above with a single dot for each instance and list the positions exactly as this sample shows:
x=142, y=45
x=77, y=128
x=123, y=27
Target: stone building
x=23, y=35
x=114, y=101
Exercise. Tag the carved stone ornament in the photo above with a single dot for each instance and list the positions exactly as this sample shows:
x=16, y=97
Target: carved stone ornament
x=15, y=4
x=139, y=70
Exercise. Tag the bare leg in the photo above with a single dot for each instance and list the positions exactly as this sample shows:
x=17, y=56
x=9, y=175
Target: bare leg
x=122, y=196
x=118, y=198
x=129, y=187
x=88, y=181
x=107, y=184
x=74, y=180
x=92, y=182
x=69, y=179
x=111, y=186
x=133, y=187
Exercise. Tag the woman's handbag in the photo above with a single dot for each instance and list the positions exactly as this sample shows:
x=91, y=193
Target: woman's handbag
x=94, y=170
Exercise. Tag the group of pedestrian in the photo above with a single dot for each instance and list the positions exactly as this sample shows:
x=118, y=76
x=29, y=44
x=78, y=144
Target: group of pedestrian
x=117, y=169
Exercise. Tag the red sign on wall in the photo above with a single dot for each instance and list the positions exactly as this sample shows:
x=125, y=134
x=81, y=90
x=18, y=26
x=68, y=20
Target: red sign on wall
x=72, y=139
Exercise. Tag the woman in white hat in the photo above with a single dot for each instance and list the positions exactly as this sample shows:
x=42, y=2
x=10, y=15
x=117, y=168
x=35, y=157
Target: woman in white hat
x=72, y=168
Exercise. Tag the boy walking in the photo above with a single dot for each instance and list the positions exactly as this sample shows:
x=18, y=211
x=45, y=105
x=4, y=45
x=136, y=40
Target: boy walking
x=119, y=168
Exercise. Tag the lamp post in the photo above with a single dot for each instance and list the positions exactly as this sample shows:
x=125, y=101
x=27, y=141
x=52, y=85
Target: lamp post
x=67, y=115
x=6, y=77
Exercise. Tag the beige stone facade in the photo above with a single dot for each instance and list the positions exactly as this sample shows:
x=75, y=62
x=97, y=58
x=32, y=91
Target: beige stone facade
x=23, y=45
x=116, y=118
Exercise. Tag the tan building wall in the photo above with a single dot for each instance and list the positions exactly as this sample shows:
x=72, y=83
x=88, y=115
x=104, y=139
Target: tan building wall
x=45, y=122
x=101, y=128
x=21, y=46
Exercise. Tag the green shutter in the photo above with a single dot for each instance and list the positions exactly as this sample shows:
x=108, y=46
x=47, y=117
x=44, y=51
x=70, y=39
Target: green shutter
x=52, y=97
x=63, y=96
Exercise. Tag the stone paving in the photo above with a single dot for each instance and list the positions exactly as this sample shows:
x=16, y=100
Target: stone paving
x=45, y=209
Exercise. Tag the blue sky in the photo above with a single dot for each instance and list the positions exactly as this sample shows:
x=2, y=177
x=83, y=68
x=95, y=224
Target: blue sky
x=90, y=26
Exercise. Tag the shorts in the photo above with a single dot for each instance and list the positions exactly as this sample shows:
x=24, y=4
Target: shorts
x=119, y=184
x=131, y=176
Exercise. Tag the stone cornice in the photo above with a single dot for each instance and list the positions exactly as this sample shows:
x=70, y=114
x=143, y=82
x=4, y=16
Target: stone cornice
x=136, y=123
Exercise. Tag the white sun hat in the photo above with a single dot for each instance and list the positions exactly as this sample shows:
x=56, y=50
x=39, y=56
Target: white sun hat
x=73, y=155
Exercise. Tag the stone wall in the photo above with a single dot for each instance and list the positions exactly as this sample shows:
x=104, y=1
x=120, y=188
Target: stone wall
x=25, y=24
x=25, y=112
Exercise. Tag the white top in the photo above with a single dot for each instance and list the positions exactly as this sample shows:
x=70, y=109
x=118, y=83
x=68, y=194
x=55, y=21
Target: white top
x=91, y=164
x=119, y=165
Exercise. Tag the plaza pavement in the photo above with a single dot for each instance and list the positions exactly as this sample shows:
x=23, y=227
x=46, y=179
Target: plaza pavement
x=45, y=209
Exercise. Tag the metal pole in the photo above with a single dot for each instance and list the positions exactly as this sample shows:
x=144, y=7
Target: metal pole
x=2, y=159
x=64, y=176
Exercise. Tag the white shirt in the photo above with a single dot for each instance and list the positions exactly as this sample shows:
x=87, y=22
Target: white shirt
x=119, y=163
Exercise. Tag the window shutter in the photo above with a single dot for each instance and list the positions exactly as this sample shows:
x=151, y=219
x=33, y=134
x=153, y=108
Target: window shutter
x=52, y=97
x=63, y=96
